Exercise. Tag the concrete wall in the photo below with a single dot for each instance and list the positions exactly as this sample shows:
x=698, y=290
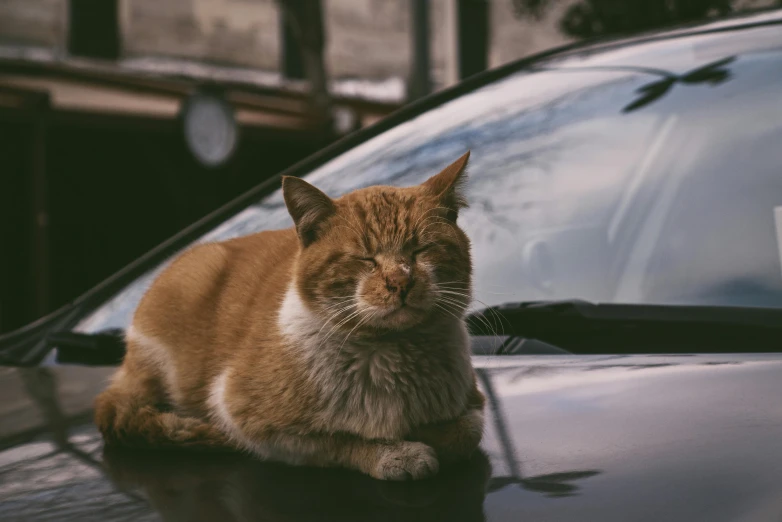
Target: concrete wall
x=512, y=38
x=237, y=32
x=33, y=22
x=366, y=38
x=371, y=38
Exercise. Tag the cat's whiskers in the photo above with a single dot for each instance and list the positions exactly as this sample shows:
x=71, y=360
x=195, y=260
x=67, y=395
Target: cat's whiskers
x=496, y=317
x=461, y=287
x=467, y=288
x=363, y=320
x=490, y=328
x=341, y=302
x=457, y=305
x=443, y=288
x=336, y=314
x=444, y=309
x=456, y=293
x=337, y=298
x=449, y=307
x=493, y=328
x=337, y=326
x=472, y=299
x=455, y=308
x=339, y=306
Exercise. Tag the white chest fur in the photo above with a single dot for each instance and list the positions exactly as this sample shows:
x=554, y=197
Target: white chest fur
x=382, y=388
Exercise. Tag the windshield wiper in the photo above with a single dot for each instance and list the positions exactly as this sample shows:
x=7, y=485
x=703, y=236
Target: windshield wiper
x=583, y=327
x=545, y=327
x=106, y=348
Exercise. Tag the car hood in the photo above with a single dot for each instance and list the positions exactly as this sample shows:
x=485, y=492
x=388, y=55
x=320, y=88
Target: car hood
x=567, y=438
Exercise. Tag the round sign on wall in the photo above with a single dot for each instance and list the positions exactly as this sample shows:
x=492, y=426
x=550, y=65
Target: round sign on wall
x=210, y=128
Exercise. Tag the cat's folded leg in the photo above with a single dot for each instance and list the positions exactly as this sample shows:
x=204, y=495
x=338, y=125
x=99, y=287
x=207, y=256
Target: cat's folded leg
x=381, y=459
x=453, y=440
x=458, y=438
x=127, y=415
x=397, y=460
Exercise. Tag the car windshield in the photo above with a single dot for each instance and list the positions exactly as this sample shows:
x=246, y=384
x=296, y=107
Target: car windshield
x=591, y=179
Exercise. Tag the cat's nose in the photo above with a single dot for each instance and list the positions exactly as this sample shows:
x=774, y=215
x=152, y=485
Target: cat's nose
x=400, y=280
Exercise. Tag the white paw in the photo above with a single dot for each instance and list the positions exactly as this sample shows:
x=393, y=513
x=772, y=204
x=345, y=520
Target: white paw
x=406, y=460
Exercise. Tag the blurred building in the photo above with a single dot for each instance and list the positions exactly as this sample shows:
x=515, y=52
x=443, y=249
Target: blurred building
x=94, y=165
x=367, y=39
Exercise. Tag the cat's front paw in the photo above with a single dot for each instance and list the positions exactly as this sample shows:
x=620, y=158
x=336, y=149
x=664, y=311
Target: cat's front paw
x=406, y=460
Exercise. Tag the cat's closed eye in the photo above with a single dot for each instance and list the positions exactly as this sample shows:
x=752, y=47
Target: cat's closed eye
x=421, y=249
x=370, y=261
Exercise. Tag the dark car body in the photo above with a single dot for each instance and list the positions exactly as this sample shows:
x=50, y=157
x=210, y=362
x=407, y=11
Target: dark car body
x=626, y=435
x=568, y=438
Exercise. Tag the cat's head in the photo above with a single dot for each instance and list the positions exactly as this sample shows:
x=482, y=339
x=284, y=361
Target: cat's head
x=383, y=257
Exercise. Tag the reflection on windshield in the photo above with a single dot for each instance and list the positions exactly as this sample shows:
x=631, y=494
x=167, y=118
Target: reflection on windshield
x=712, y=73
x=573, y=198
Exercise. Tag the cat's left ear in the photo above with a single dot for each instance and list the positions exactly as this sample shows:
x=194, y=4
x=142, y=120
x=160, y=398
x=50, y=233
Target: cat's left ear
x=308, y=206
x=448, y=186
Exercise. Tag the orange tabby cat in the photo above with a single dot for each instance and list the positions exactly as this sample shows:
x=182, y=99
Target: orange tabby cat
x=338, y=343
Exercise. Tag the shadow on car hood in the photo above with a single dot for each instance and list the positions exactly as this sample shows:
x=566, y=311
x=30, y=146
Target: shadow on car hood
x=568, y=438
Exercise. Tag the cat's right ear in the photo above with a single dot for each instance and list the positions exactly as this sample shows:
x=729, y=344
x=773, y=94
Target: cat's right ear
x=448, y=186
x=308, y=206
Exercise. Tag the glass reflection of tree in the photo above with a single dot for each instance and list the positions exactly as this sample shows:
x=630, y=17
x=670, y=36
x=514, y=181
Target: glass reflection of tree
x=553, y=485
x=713, y=73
